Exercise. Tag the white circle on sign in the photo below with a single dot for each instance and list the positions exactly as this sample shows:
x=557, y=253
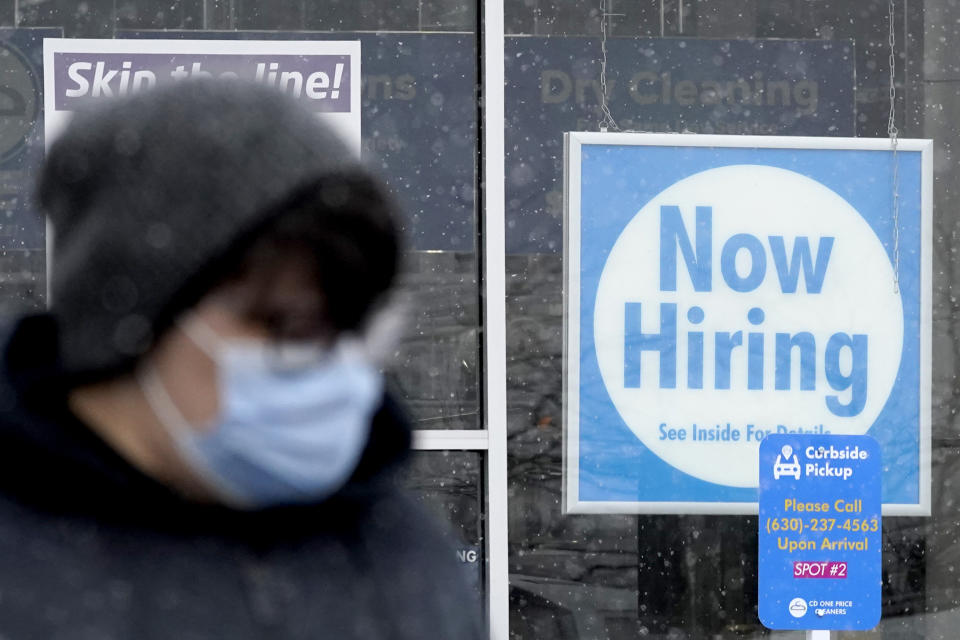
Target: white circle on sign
x=854, y=297
x=797, y=607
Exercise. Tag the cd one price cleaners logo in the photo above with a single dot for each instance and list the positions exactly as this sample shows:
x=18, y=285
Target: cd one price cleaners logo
x=742, y=301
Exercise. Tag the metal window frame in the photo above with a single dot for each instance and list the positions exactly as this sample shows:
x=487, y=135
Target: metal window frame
x=495, y=343
x=493, y=438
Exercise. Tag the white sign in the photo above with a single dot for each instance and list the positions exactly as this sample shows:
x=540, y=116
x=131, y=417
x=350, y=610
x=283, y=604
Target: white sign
x=322, y=75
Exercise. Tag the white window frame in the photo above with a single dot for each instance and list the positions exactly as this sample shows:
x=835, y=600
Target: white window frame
x=492, y=439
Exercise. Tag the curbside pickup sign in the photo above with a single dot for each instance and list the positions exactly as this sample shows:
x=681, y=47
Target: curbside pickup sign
x=720, y=289
x=819, y=532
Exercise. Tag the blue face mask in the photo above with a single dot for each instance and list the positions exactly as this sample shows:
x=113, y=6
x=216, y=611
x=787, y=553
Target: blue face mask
x=293, y=420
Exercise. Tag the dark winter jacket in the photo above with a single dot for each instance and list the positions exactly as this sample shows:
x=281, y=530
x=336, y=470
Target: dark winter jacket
x=92, y=548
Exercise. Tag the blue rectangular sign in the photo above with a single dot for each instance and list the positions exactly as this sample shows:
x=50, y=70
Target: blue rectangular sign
x=819, y=564
x=720, y=289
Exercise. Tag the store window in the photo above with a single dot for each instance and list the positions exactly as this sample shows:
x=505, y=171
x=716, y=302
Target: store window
x=420, y=127
x=450, y=485
x=823, y=70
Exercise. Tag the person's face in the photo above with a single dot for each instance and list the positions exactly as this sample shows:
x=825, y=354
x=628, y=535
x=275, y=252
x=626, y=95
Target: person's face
x=278, y=304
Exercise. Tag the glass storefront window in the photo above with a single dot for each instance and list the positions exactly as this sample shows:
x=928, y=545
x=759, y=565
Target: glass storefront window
x=577, y=576
x=672, y=576
x=420, y=125
x=420, y=131
x=22, y=251
x=449, y=484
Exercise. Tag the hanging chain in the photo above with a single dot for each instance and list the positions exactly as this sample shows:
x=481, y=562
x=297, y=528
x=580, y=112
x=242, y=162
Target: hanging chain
x=893, y=132
x=607, y=121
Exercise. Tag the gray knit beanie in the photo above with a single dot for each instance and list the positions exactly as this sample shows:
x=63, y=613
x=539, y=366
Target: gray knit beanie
x=148, y=192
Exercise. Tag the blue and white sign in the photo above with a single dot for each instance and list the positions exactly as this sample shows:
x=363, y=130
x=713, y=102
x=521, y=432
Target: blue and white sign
x=819, y=544
x=724, y=288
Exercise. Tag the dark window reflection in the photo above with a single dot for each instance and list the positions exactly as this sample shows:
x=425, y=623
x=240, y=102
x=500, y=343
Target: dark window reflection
x=7, y=13
x=78, y=18
x=449, y=484
x=22, y=243
x=149, y=14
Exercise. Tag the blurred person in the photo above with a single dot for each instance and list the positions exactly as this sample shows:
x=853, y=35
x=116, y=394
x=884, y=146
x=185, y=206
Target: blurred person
x=195, y=441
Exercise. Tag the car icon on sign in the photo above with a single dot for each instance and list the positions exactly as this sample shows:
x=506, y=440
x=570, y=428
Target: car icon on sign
x=786, y=469
x=789, y=468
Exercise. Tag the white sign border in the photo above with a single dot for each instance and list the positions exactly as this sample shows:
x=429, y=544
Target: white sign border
x=573, y=142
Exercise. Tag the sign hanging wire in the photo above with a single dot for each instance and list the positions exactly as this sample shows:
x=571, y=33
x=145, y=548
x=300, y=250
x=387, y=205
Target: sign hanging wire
x=894, y=133
x=607, y=121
